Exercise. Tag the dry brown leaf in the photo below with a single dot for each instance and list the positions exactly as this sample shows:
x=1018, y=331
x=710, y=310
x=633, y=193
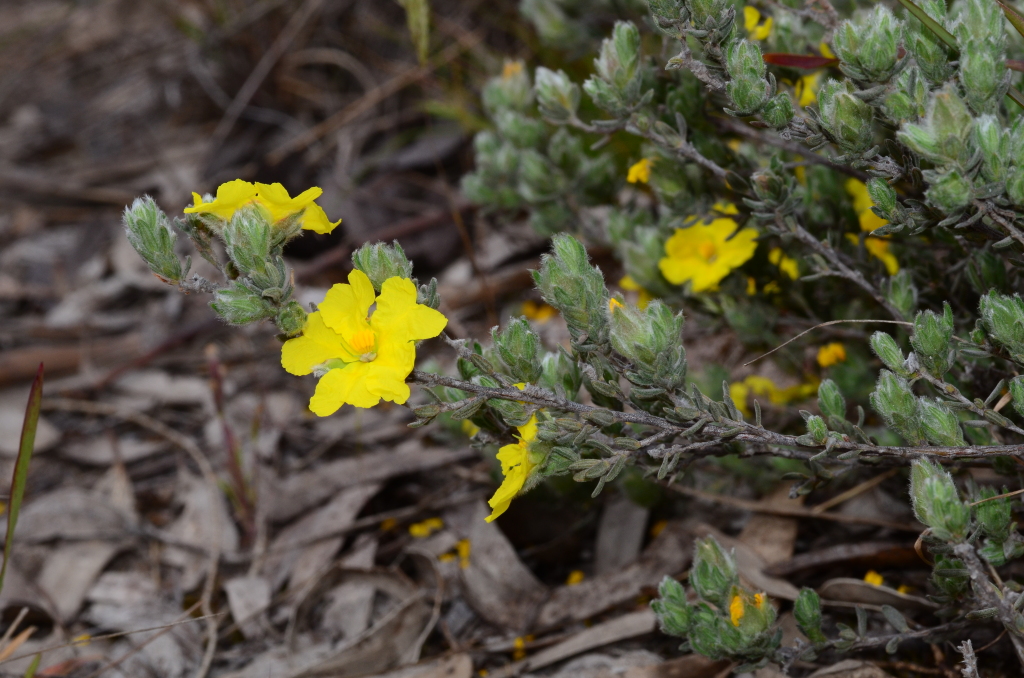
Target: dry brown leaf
x=620, y=535
x=497, y=585
x=68, y=513
x=690, y=666
x=850, y=668
x=773, y=536
x=204, y=522
x=99, y=451
x=71, y=570
x=606, y=665
x=750, y=565
x=10, y=648
x=248, y=597
x=668, y=554
x=850, y=590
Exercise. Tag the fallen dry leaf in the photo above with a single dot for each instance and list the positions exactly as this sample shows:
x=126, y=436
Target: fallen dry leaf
x=773, y=536
x=248, y=597
x=849, y=590
x=71, y=570
x=620, y=534
x=690, y=666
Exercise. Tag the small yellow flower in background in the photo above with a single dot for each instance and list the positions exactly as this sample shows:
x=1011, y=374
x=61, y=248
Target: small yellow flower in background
x=463, y=548
x=469, y=428
x=751, y=286
x=825, y=50
x=366, y=357
x=516, y=467
x=830, y=354
x=575, y=577
x=537, y=311
x=878, y=248
x=483, y=673
x=755, y=385
x=869, y=221
x=752, y=22
x=613, y=304
x=801, y=174
x=736, y=610
x=426, y=528
x=643, y=296
x=233, y=195
x=785, y=264
x=904, y=589
x=640, y=171
x=388, y=524
x=771, y=287
x=519, y=647
x=806, y=88
x=873, y=578
x=704, y=253
x=511, y=69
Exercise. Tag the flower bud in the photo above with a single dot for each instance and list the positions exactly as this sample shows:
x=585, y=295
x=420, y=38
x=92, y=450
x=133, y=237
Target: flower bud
x=950, y=576
x=747, y=88
x=560, y=370
x=558, y=97
x=948, y=191
x=616, y=86
x=830, y=400
x=518, y=347
x=568, y=282
x=847, y=119
x=994, y=143
x=150, y=233
x=707, y=13
x=936, y=501
x=247, y=239
x=867, y=46
x=933, y=340
x=886, y=348
x=241, y=303
x=898, y=406
x=651, y=340
x=940, y=424
x=1003, y=319
x=817, y=429
x=807, y=612
x=947, y=133
x=509, y=91
x=713, y=573
x=778, y=112
x=1017, y=392
x=751, y=614
x=902, y=293
x=671, y=608
x=931, y=55
x=908, y=99
x=380, y=261
x=982, y=54
x=291, y=318
x=994, y=515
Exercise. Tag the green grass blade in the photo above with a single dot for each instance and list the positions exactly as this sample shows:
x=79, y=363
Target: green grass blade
x=1014, y=17
x=932, y=25
x=30, y=672
x=27, y=444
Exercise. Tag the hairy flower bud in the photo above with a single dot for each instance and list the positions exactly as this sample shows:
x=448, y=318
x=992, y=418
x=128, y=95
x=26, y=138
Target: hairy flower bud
x=380, y=261
x=616, y=87
x=1017, y=393
x=940, y=424
x=651, y=339
x=889, y=352
x=830, y=400
x=247, y=239
x=747, y=88
x=817, y=429
x=807, y=612
x=936, y=501
x=946, y=135
x=901, y=292
x=1002, y=317
x=291, y=318
x=568, y=282
x=867, y=47
x=898, y=406
x=518, y=347
x=778, y=112
x=948, y=191
x=151, y=235
x=713, y=573
x=933, y=340
x=671, y=608
x=846, y=118
x=241, y=303
x=558, y=97
x=509, y=91
x=908, y=99
x=931, y=55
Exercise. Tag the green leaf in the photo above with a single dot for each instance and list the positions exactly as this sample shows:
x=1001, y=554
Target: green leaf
x=25, y=447
x=30, y=672
x=417, y=16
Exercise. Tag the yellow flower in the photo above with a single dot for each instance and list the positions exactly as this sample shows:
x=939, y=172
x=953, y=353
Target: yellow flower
x=463, y=548
x=862, y=204
x=704, y=253
x=830, y=354
x=537, y=312
x=736, y=610
x=825, y=50
x=751, y=21
x=515, y=466
x=759, y=599
x=771, y=287
x=904, y=589
x=878, y=248
x=426, y=528
x=873, y=578
x=643, y=297
x=575, y=577
x=785, y=264
x=469, y=428
x=366, y=358
x=234, y=194
x=640, y=171
x=806, y=88
x=751, y=286
x=511, y=69
x=613, y=304
x=755, y=385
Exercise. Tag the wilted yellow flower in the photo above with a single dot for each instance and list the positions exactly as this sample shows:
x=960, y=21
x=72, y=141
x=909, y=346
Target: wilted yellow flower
x=575, y=577
x=640, y=171
x=873, y=578
x=785, y=264
x=537, y=312
x=232, y=195
x=511, y=69
x=704, y=254
x=426, y=528
x=515, y=466
x=752, y=22
x=832, y=353
x=363, y=358
x=736, y=610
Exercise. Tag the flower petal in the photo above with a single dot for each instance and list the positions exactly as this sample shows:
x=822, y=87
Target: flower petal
x=387, y=383
x=315, y=219
x=345, y=307
x=230, y=196
x=317, y=344
x=344, y=386
x=398, y=316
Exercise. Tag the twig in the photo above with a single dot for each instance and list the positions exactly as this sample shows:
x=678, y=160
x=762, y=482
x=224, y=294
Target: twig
x=790, y=511
x=998, y=496
x=854, y=491
x=138, y=648
x=825, y=324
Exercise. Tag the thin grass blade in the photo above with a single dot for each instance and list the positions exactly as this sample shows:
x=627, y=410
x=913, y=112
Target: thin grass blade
x=30, y=672
x=25, y=447
x=1015, y=18
x=933, y=25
